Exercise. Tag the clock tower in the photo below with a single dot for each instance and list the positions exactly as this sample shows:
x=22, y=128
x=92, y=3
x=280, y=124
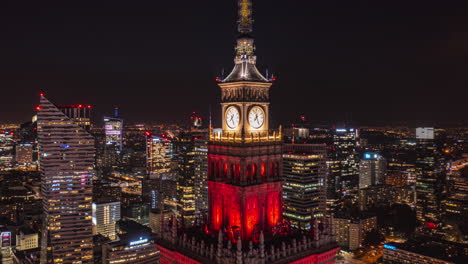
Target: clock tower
x=244, y=158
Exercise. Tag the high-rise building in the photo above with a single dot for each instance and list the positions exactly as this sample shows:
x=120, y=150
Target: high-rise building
x=201, y=175
x=304, y=188
x=24, y=153
x=344, y=152
x=113, y=127
x=428, y=178
x=160, y=167
x=105, y=217
x=245, y=181
x=113, y=137
x=186, y=145
x=372, y=170
x=159, y=155
x=67, y=156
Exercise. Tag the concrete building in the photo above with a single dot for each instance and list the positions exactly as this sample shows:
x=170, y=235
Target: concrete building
x=350, y=231
x=66, y=161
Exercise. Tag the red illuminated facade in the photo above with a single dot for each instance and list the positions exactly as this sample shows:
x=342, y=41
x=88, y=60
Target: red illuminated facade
x=244, y=222
x=244, y=187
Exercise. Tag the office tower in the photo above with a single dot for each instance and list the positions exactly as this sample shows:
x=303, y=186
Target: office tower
x=345, y=153
x=201, y=174
x=105, y=217
x=113, y=131
x=160, y=167
x=67, y=155
x=159, y=155
x=245, y=181
x=185, y=145
x=79, y=114
x=113, y=127
x=428, y=179
x=372, y=170
x=24, y=153
x=7, y=144
x=304, y=187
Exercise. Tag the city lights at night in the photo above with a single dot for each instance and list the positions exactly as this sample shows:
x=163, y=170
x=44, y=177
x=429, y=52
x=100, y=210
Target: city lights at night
x=160, y=132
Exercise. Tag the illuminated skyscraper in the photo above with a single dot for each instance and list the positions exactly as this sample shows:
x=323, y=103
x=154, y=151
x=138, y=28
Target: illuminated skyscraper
x=159, y=154
x=105, y=217
x=428, y=190
x=304, y=188
x=345, y=153
x=113, y=127
x=186, y=154
x=372, y=169
x=67, y=155
x=201, y=174
x=160, y=167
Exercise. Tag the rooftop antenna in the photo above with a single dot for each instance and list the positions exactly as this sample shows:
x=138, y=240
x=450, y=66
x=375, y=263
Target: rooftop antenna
x=209, y=126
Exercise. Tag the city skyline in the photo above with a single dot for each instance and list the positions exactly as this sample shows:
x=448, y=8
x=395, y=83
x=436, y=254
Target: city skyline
x=337, y=61
x=356, y=157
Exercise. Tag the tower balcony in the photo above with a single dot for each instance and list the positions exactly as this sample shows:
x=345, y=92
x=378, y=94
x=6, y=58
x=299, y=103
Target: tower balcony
x=255, y=137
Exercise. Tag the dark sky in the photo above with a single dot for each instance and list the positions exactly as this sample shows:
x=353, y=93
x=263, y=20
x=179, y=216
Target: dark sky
x=367, y=60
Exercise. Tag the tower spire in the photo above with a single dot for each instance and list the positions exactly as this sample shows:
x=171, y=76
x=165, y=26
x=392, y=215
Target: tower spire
x=245, y=17
x=244, y=68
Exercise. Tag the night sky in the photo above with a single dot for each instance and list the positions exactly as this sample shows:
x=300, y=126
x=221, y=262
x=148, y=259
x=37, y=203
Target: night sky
x=369, y=61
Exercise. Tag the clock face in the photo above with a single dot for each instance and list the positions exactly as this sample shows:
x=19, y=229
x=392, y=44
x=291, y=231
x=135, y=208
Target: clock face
x=232, y=117
x=256, y=117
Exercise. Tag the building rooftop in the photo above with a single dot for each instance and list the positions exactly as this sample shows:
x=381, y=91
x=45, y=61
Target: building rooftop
x=434, y=248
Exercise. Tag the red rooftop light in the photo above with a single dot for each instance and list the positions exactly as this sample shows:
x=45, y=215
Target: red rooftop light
x=41, y=94
x=80, y=106
x=38, y=108
x=89, y=106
